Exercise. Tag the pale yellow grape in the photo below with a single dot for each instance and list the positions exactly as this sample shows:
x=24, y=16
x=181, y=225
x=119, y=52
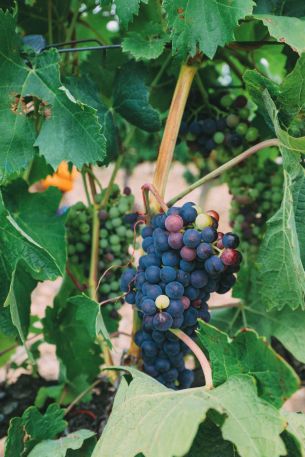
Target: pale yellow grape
x=198, y=209
x=203, y=220
x=162, y=301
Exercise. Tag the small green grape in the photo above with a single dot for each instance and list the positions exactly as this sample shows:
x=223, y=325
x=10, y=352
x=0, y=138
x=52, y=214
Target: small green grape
x=80, y=247
x=252, y=134
x=74, y=259
x=105, y=288
x=71, y=249
x=260, y=186
x=121, y=231
x=115, y=285
x=129, y=234
x=226, y=101
x=116, y=248
x=114, y=239
x=244, y=113
x=218, y=137
x=117, y=222
x=103, y=243
x=103, y=233
x=84, y=228
x=86, y=237
x=123, y=208
x=82, y=217
x=232, y=120
x=266, y=206
x=108, y=225
x=267, y=194
x=114, y=212
x=277, y=180
x=277, y=197
x=249, y=179
x=241, y=129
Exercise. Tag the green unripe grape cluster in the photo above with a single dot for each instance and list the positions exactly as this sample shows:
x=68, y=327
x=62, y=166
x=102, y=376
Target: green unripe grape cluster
x=257, y=191
x=215, y=133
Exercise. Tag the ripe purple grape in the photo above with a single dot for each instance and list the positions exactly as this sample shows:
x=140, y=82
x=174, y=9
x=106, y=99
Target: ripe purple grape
x=230, y=240
x=168, y=274
x=174, y=223
x=162, y=321
x=230, y=257
x=191, y=238
x=188, y=254
x=175, y=240
x=174, y=289
x=204, y=251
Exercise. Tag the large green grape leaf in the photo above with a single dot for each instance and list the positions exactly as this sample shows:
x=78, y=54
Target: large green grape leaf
x=126, y=10
x=61, y=446
x=131, y=98
x=17, y=130
x=296, y=431
x=281, y=272
x=147, y=43
x=289, y=96
x=148, y=418
x=19, y=302
x=35, y=214
x=248, y=354
x=280, y=7
x=285, y=29
x=6, y=325
x=27, y=233
x=267, y=323
x=85, y=91
x=209, y=442
x=256, y=85
x=14, y=441
x=199, y=25
x=6, y=342
x=27, y=431
x=71, y=130
x=71, y=326
x=292, y=95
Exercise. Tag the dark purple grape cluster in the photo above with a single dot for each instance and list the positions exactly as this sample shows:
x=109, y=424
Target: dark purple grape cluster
x=186, y=260
x=205, y=132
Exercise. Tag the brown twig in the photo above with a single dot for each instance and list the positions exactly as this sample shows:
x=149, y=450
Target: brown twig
x=78, y=285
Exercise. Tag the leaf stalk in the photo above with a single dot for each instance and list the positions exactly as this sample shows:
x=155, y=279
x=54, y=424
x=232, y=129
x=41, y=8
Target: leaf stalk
x=204, y=363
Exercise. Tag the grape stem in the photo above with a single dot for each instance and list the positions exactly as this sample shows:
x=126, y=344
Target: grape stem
x=93, y=272
x=226, y=166
x=111, y=181
x=171, y=130
x=204, y=363
x=83, y=173
x=146, y=188
x=81, y=395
